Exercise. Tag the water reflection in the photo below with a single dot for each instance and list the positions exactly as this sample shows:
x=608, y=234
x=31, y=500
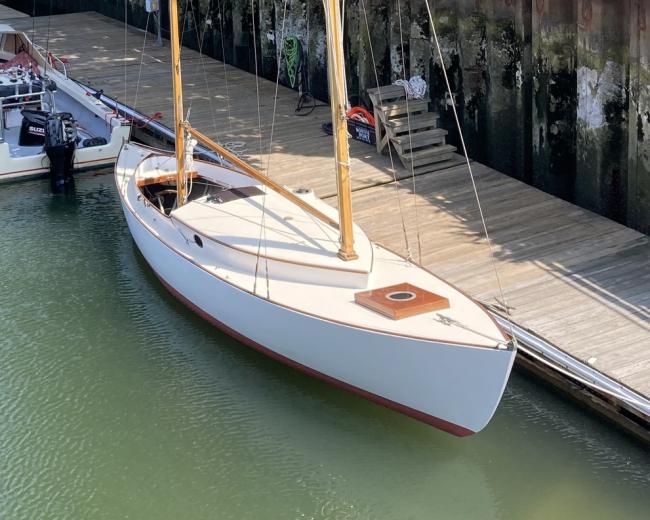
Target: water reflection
x=118, y=401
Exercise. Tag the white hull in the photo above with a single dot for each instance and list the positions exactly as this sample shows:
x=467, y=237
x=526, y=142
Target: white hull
x=15, y=168
x=451, y=386
x=94, y=118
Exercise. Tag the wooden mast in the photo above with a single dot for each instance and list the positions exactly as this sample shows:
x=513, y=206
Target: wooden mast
x=179, y=128
x=336, y=76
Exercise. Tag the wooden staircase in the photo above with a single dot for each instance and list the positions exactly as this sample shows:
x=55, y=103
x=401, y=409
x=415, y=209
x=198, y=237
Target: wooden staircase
x=424, y=147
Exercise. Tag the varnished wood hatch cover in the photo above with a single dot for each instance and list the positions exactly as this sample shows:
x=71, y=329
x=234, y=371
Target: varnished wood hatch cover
x=401, y=301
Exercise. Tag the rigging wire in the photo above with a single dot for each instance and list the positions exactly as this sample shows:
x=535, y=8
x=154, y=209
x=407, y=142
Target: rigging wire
x=183, y=24
x=137, y=85
x=220, y=8
x=268, y=160
x=390, y=152
x=277, y=83
x=408, y=123
x=126, y=16
x=262, y=234
x=47, y=42
x=31, y=42
x=306, y=95
x=469, y=169
x=200, y=39
x=257, y=80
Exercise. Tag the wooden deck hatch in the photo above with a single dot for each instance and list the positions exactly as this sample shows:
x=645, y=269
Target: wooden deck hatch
x=401, y=301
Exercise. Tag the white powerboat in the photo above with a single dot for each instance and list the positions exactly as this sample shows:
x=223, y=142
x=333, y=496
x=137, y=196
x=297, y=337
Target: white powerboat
x=49, y=123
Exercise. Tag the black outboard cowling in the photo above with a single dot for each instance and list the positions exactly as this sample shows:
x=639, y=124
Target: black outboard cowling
x=60, y=144
x=32, y=129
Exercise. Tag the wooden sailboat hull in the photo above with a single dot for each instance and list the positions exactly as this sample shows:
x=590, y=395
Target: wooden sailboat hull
x=453, y=387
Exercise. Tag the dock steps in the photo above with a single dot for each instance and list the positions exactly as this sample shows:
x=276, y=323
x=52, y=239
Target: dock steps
x=409, y=127
x=408, y=141
x=398, y=108
x=414, y=122
x=431, y=154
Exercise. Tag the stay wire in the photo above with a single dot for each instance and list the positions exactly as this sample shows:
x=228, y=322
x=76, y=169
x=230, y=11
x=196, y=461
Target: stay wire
x=408, y=123
x=259, y=128
x=137, y=85
x=469, y=169
x=390, y=151
x=47, y=42
x=200, y=39
x=184, y=23
x=33, y=26
x=257, y=80
x=268, y=161
x=277, y=84
x=126, y=26
x=220, y=8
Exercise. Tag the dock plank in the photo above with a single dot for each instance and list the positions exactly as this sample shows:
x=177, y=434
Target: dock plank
x=7, y=13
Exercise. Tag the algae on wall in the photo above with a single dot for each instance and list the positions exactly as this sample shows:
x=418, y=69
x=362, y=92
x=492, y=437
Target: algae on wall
x=638, y=150
x=553, y=92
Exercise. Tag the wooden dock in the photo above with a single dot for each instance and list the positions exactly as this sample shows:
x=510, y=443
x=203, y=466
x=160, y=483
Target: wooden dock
x=575, y=279
x=7, y=13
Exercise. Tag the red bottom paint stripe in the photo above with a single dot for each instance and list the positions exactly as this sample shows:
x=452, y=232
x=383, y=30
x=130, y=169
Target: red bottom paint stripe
x=436, y=422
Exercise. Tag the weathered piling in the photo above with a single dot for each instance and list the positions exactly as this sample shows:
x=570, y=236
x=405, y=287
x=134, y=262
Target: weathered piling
x=638, y=170
x=552, y=92
x=603, y=104
x=554, y=97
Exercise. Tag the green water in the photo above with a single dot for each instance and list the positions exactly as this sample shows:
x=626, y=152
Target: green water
x=117, y=402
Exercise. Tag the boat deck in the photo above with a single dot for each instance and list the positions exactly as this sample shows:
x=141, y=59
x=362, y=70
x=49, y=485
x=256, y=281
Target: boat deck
x=578, y=280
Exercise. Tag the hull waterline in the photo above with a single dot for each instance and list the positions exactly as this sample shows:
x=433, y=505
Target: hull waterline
x=436, y=422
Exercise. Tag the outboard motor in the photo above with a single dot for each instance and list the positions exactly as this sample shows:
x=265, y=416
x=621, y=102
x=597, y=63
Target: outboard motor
x=32, y=129
x=60, y=144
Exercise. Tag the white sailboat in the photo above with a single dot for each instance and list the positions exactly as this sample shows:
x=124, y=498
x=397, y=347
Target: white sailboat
x=287, y=274
x=83, y=132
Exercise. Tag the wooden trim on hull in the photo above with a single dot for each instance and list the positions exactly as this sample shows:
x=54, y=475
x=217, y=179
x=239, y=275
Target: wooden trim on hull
x=436, y=422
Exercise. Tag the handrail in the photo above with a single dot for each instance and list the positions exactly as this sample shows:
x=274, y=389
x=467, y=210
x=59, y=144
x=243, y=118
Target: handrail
x=19, y=104
x=4, y=105
x=51, y=57
x=28, y=94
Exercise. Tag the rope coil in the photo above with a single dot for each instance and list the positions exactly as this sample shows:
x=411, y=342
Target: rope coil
x=292, y=53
